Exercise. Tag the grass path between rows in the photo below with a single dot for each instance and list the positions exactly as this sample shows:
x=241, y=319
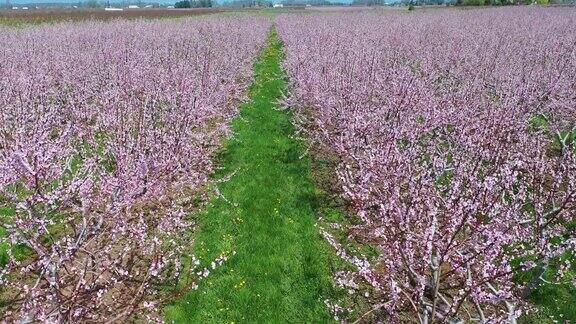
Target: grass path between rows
x=281, y=271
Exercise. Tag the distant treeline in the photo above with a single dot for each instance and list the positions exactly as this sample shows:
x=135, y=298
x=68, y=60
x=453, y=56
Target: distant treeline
x=193, y=4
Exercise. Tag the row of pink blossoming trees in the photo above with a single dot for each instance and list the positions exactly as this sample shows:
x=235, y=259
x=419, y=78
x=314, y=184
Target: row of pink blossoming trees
x=106, y=134
x=455, y=133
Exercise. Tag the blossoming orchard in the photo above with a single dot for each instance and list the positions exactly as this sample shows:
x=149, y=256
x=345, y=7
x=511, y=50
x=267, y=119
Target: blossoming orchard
x=292, y=164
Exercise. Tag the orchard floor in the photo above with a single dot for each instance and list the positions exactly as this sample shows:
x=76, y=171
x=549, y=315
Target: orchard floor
x=266, y=214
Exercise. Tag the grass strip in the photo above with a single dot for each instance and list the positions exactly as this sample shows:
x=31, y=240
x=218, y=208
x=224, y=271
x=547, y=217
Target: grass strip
x=282, y=269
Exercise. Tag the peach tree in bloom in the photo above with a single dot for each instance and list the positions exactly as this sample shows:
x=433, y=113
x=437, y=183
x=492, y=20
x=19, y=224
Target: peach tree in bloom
x=106, y=134
x=455, y=134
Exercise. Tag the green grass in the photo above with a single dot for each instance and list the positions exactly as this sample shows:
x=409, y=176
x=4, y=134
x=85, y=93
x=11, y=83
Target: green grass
x=554, y=301
x=5, y=214
x=282, y=269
